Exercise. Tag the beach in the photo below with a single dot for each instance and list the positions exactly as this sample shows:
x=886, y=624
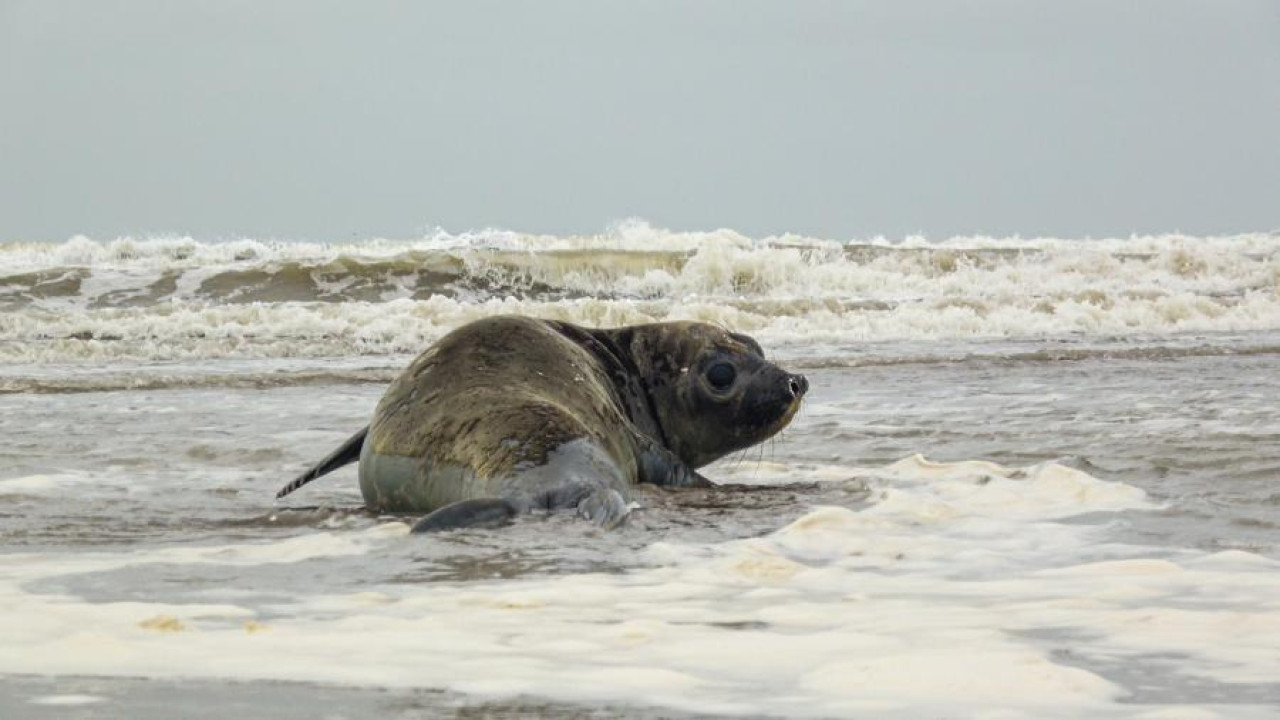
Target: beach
x=1033, y=477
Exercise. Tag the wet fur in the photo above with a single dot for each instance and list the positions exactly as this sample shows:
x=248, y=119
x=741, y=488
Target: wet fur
x=510, y=413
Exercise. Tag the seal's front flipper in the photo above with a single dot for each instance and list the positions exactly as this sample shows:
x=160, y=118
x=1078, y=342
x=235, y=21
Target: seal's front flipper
x=660, y=466
x=605, y=507
x=693, y=478
x=467, y=513
x=346, y=453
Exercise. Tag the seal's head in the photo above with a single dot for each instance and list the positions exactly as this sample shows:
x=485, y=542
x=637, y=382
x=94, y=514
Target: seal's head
x=713, y=392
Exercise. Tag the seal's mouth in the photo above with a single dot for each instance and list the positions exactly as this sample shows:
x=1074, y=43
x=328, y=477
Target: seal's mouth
x=785, y=420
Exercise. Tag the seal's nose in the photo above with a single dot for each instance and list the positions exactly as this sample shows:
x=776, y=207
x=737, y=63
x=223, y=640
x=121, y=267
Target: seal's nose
x=798, y=385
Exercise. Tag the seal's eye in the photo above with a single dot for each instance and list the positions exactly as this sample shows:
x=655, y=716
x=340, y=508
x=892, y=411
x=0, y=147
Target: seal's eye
x=721, y=376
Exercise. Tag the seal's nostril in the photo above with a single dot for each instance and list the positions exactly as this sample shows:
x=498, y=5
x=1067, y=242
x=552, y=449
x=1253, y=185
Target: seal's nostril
x=798, y=385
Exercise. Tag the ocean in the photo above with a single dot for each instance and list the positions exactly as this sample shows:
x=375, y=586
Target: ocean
x=1032, y=478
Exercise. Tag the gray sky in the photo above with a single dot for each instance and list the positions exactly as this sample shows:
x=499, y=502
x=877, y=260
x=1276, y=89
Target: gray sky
x=323, y=120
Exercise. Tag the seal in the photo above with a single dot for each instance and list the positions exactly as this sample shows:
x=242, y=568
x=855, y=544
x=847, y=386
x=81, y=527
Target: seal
x=511, y=414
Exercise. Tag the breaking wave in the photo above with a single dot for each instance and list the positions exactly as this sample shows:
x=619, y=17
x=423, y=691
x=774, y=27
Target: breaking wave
x=158, y=299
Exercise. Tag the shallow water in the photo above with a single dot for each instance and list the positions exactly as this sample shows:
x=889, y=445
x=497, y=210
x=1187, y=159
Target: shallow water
x=1094, y=533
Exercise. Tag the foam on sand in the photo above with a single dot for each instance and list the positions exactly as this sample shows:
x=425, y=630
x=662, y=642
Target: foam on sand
x=963, y=589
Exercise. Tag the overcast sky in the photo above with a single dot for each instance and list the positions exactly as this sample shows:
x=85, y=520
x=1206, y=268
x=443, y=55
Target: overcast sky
x=327, y=120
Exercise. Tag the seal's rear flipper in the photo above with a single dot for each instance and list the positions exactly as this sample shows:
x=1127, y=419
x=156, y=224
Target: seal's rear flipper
x=467, y=513
x=347, y=453
x=605, y=507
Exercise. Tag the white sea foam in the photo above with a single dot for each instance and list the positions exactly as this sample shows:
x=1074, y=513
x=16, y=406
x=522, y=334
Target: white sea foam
x=632, y=235
x=33, y=484
x=158, y=299
x=185, y=331
x=958, y=591
x=66, y=700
